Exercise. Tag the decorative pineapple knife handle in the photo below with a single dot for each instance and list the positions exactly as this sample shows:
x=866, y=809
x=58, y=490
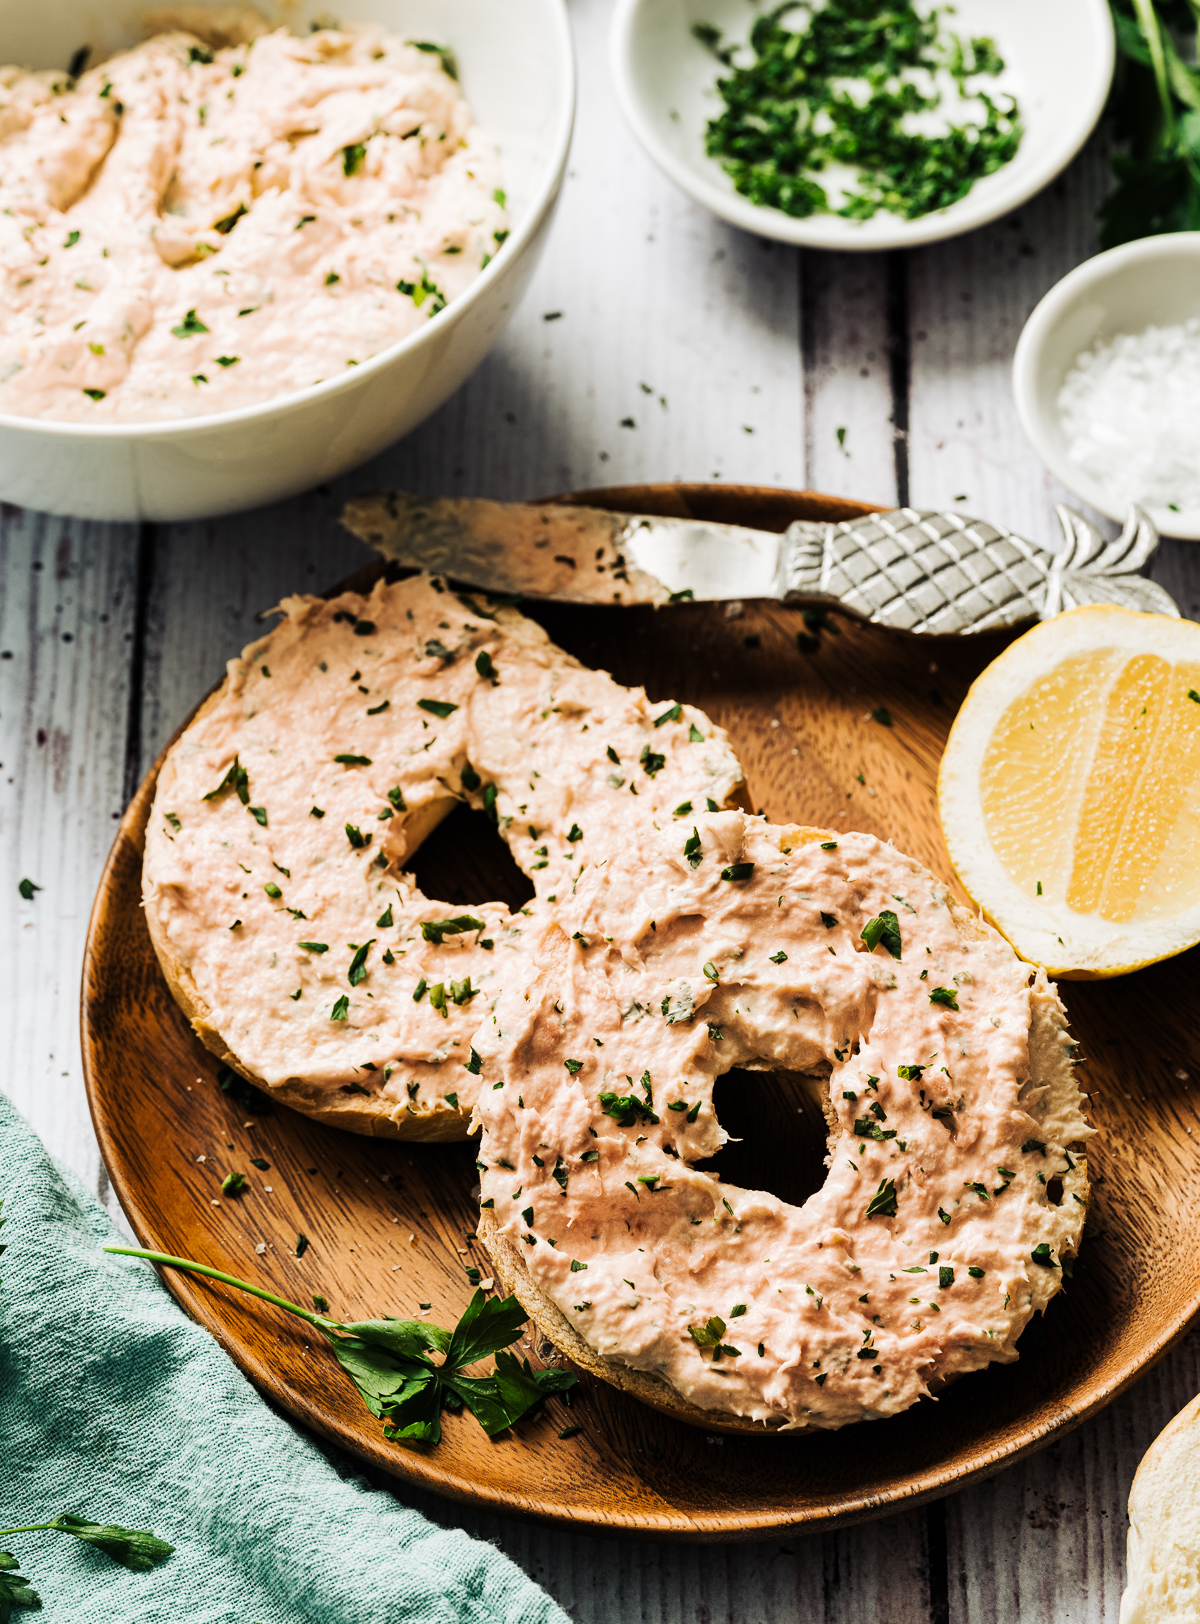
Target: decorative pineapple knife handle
x=938, y=574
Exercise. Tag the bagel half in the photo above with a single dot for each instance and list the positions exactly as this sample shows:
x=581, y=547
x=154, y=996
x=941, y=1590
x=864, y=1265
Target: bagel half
x=600, y=970
x=294, y=940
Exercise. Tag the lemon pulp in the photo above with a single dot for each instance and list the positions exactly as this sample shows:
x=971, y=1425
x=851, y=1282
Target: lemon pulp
x=1090, y=786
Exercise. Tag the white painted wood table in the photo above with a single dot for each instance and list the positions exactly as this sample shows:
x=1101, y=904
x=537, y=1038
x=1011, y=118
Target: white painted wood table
x=736, y=360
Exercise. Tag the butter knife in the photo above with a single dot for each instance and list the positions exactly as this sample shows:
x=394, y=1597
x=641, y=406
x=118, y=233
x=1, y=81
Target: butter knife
x=940, y=574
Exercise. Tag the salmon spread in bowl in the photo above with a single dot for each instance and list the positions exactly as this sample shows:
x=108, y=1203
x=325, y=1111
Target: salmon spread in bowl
x=186, y=230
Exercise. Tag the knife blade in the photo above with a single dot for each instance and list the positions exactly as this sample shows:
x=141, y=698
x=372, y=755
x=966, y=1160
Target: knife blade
x=931, y=572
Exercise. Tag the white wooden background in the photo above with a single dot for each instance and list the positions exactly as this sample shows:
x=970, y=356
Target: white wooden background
x=738, y=360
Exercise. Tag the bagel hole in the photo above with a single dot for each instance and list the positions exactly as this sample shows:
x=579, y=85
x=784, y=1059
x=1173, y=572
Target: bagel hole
x=1054, y=1192
x=779, y=1133
x=464, y=862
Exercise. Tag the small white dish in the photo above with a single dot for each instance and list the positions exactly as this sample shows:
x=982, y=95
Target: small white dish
x=517, y=68
x=1152, y=282
x=1059, y=64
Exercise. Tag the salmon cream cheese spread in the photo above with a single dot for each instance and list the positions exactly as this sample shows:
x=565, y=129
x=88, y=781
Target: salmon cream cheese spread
x=184, y=231
x=955, y=1195
x=274, y=884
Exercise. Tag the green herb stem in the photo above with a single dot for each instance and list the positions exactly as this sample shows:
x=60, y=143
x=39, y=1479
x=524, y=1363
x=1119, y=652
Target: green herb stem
x=167, y=1261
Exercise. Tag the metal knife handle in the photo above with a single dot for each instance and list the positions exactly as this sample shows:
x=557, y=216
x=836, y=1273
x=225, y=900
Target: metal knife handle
x=942, y=574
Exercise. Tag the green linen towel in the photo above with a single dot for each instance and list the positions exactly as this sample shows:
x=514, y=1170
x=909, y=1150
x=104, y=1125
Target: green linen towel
x=115, y=1406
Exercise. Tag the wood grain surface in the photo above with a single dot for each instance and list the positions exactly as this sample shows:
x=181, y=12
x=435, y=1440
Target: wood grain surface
x=390, y=1227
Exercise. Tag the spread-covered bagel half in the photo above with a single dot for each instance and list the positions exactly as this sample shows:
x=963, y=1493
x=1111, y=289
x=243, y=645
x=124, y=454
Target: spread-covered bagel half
x=273, y=880
x=955, y=1193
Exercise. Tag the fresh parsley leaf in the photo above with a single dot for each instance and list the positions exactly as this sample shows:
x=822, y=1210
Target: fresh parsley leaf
x=947, y=996
x=883, y=1203
x=651, y=762
x=358, y=964
x=188, y=328
x=737, y=871
x=885, y=928
x=433, y=930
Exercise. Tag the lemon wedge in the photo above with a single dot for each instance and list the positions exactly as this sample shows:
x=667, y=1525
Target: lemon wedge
x=1069, y=791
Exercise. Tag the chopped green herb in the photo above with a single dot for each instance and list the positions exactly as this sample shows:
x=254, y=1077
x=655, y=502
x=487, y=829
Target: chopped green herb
x=829, y=845
x=829, y=920
x=779, y=958
x=651, y=762
x=27, y=888
x=272, y=890
x=883, y=1203
x=339, y=1010
x=356, y=837
x=236, y=779
x=671, y=715
x=437, y=707
x=314, y=947
x=787, y=117
x=691, y=847
x=434, y=930
x=882, y=715
x=233, y=1183
x=737, y=871
x=573, y=1066
x=486, y=666
x=358, y=964
x=885, y=928
x=694, y=734
x=352, y=157
x=1041, y=1254
x=945, y=995
x=189, y=326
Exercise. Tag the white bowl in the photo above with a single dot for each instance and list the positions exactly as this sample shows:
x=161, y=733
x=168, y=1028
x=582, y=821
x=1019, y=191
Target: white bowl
x=1152, y=282
x=517, y=69
x=1059, y=64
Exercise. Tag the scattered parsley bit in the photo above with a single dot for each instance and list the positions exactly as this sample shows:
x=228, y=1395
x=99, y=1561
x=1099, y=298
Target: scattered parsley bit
x=1041, y=1255
x=573, y=1066
x=474, y=1065
x=173, y=819
x=352, y=157
x=737, y=871
x=694, y=734
x=883, y=1203
x=95, y=394
x=437, y=707
x=384, y=921
x=259, y=814
x=315, y=947
x=651, y=762
x=189, y=326
x=976, y=1274
x=340, y=1009
x=356, y=837
x=272, y=890
x=829, y=845
x=574, y=833
x=692, y=849
x=419, y=991
x=302, y=1244
x=353, y=761
x=948, y=996
x=233, y=1183
x=437, y=998
x=829, y=920
x=263, y=1166
x=486, y=667
x=710, y=970
x=943, y=1215
x=228, y=360
x=358, y=964
x=27, y=888
x=434, y=930
x=316, y=812
x=885, y=928
x=681, y=809
x=708, y=1335
x=671, y=715
x=779, y=958
x=236, y=779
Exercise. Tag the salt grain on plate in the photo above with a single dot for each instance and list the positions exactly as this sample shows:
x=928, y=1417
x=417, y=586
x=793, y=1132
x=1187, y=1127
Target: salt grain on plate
x=1129, y=411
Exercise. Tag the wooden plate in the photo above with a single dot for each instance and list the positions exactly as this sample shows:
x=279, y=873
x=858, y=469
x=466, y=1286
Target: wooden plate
x=392, y=1226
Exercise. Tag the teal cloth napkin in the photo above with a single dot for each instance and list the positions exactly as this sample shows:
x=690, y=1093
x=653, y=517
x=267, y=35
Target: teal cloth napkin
x=116, y=1407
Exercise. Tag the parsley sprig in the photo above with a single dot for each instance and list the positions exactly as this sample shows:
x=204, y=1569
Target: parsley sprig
x=1156, y=113
x=133, y=1548
x=388, y=1360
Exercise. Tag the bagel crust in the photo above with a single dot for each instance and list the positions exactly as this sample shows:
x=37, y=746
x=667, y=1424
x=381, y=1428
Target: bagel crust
x=273, y=881
x=956, y=1192
x=1162, y=1577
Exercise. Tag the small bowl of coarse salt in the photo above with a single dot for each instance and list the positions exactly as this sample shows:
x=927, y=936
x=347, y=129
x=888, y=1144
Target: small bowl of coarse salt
x=1107, y=381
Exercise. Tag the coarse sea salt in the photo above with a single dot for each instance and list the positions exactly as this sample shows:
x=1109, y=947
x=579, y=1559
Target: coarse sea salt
x=1130, y=410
